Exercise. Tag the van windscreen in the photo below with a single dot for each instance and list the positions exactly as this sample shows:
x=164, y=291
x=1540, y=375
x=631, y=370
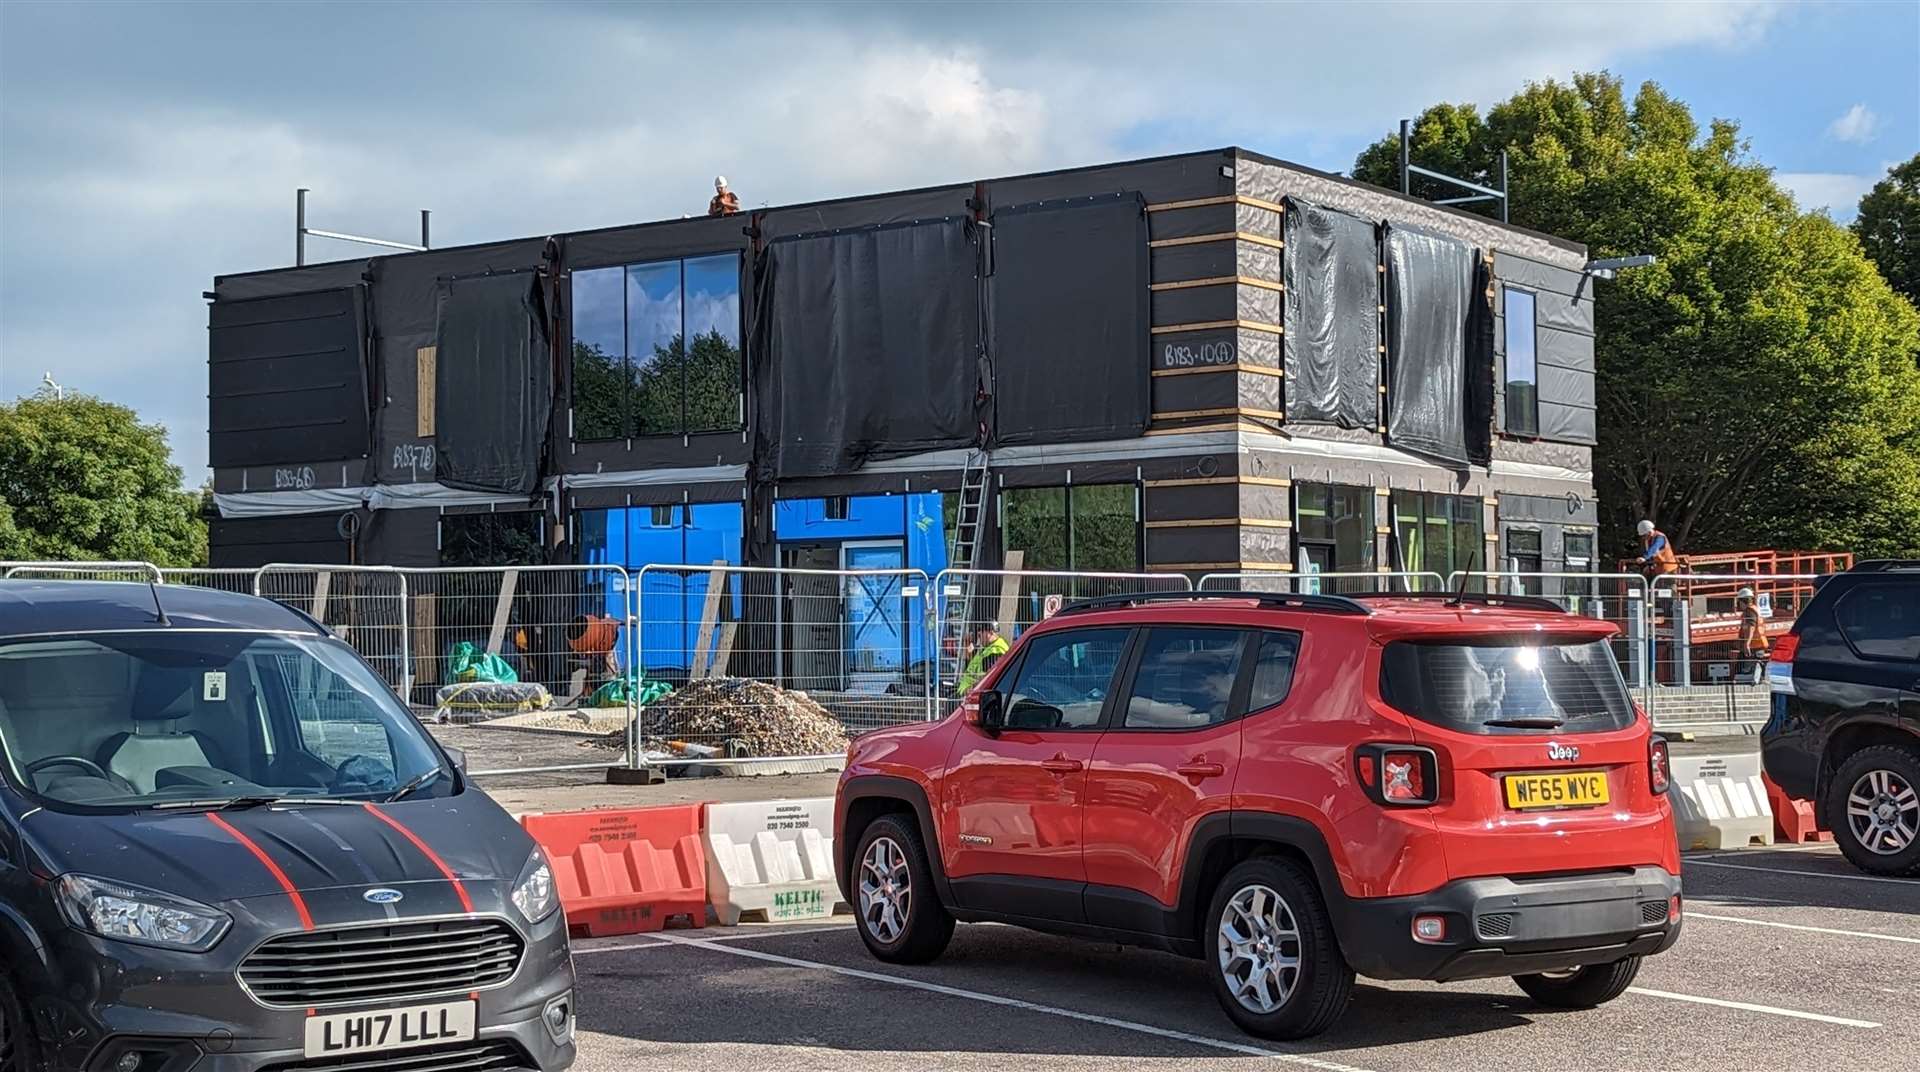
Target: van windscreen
x=1504, y=686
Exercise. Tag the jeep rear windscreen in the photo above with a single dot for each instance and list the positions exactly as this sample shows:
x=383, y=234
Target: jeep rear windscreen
x=1507, y=686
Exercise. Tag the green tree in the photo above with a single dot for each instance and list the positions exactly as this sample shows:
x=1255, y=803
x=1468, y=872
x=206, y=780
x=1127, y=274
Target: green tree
x=710, y=377
x=1888, y=227
x=1757, y=386
x=84, y=479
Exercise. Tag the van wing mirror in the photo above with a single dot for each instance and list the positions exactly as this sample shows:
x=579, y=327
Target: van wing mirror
x=993, y=711
x=456, y=756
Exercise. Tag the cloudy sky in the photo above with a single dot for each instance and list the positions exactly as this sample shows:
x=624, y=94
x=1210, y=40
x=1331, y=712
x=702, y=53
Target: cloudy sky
x=146, y=147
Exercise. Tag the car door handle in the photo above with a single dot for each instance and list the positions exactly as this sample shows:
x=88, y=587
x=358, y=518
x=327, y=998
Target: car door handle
x=1061, y=765
x=1197, y=771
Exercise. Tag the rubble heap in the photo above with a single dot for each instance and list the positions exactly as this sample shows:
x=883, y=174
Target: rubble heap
x=764, y=720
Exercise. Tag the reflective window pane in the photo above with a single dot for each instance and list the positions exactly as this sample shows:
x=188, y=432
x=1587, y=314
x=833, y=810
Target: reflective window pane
x=1185, y=678
x=1064, y=678
x=1034, y=521
x=654, y=346
x=599, y=350
x=1523, y=392
x=713, y=354
x=1105, y=537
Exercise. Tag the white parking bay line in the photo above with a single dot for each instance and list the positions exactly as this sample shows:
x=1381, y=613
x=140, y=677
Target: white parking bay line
x=1802, y=927
x=1907, y=882
x=1749, y=1007
x=1017, y=1003
x=657, y=938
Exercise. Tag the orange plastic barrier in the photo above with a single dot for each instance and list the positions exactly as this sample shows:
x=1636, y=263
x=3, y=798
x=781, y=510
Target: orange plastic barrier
x=625, y=871
x=1792, y=817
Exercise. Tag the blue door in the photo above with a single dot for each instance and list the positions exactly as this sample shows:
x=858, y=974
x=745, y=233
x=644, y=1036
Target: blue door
x=876, y=624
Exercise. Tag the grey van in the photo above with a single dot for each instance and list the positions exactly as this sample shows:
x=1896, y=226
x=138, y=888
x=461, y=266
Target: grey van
x=226, y=846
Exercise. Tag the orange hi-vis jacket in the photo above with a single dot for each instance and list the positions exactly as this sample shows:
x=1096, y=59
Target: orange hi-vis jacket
x=1660, y=550
x=1753, y=629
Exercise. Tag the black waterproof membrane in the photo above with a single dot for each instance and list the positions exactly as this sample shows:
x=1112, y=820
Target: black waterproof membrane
x=1071, y=320
x=493, y=394
x=1429, y=284
x=1332, y=338
x=287, y=378
x=871, y=339
x=1480, y=387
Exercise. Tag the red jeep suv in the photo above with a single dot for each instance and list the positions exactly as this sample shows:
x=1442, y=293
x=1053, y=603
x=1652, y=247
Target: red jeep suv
x=1293, y=788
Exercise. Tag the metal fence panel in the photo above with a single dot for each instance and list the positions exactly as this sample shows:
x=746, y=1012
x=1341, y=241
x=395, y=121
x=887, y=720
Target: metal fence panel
x=1332, y=584
x=771, y=665
x=1699, y=675
x=226, y=579
x=141, y=572
x=365, y=606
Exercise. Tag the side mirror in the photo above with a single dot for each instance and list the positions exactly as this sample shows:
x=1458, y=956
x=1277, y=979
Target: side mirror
x=993, y=711
x=457, y=756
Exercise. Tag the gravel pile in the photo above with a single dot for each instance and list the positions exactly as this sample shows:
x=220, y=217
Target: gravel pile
x=742, y=718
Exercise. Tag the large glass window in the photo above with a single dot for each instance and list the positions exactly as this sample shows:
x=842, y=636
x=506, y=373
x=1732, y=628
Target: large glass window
x=1086, y=527
x=1334, y=526
x=1523, y=556
x=1523, y=374
x=656, y=348
x=1437, y=533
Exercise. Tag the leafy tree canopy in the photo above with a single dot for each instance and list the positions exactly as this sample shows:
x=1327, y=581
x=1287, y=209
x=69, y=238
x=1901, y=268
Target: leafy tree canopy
x=84, y=479
x=1888, y=227
x=1757, y=387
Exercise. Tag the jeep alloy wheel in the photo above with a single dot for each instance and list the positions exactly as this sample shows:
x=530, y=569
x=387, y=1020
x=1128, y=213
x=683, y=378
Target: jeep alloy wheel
x=886, y=889
x=1259, y=946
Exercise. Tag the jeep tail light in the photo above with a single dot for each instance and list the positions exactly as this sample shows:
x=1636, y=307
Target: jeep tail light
x=1659, y=770
x=1784, y=648
x=1673, y=909
x=1398, y=775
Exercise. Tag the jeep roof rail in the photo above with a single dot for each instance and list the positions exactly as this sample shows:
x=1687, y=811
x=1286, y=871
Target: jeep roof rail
x=1883, y=565
x=1277, y=600
x=1484, y=598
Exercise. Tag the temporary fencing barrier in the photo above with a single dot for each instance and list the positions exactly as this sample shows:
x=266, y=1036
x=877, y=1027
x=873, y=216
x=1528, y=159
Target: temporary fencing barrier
x=773, y=666
x=966, y=600
x=140, y=572
x=625, y=871
x=771, y=858
x=1719, y=802
x=366, y=606
x=226, y=579
x=1699, y=674
x=1793, y=818
x=1329, y=583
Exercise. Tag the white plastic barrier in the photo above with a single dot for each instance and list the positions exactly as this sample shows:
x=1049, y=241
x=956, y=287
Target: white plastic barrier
x=1719, y=802
x=773, y=858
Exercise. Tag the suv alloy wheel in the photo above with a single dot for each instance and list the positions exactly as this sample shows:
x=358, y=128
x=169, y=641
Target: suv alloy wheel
x=898, y=914
x=1873, y=803
x=1278, y=971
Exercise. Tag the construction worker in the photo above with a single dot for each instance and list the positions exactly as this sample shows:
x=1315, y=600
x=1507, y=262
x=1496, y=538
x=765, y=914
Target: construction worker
x=988, y=647
x=724, y=202
x=1656, y=553
x=1753, y=638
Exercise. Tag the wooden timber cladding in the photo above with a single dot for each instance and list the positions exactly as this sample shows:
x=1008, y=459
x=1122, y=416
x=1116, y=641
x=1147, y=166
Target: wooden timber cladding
x=1199, y=223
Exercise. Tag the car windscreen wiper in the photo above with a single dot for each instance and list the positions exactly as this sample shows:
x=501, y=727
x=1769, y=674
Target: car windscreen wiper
x=1530, y=722
x=239, y=803
x=418, y=781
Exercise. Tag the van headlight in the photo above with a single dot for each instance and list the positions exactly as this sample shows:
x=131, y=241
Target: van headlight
x=533, y=893
x=135, y=914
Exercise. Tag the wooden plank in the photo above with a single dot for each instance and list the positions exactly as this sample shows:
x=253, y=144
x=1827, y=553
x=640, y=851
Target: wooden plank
x=1217, y=236
x=1219, y=281
x=723, y=648
x=1197, y=370
x=1223, y=199
x=1191, y=481
x=1205, y=325
x=1221, y=412
x=502, y=610
x=426, y=620
x=1006, y=615
x=709, y=610
x=426, y=368
x=322, y=581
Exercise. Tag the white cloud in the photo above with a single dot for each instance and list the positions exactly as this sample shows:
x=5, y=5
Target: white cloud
x=1857, y=125
x=127, y=184
x=1838, y=193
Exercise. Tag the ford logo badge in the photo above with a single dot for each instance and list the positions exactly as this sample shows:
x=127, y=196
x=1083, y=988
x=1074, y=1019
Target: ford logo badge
x=383, y=896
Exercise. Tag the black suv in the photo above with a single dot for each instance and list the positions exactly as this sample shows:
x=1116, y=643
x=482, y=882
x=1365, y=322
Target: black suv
x=1845, y=725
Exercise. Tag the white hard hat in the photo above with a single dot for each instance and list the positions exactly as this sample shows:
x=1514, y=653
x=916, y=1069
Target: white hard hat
x=719, y=182
x=1643, y=527
x=1745, y=593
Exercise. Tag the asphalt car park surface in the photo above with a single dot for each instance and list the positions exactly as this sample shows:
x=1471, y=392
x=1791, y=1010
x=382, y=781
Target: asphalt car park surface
x=1790, y=959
